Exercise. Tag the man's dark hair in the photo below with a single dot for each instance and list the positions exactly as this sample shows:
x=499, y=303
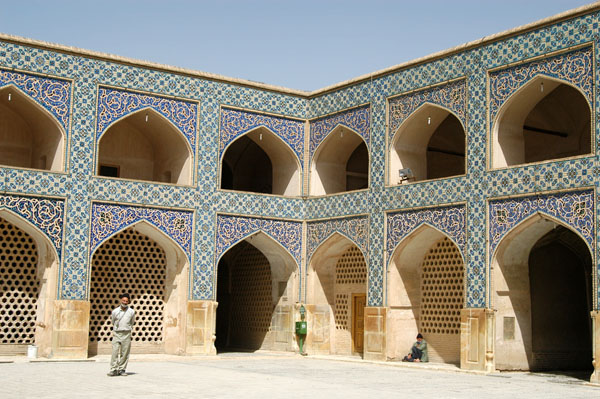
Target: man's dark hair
x=124, y=295
x=419, y=335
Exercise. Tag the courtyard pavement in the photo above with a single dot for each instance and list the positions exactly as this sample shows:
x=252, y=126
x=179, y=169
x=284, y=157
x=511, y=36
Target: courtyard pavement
x=273, y=375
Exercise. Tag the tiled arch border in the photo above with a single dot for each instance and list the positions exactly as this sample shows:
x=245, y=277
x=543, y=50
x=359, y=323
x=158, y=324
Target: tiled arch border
x=575, y=67
x=52, y=94
x=575, y=209
x=109, y=219
x=113, y=104
x=450, y=95
x=232, y=229
x=450, y=220
x=357, y=119
x=46, y=214
x=235, y=123
x=354, y=228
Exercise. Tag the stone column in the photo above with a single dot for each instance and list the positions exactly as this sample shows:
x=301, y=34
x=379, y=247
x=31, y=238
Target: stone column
x=477, y=339
x=318, y=337
x=595, y=378
x=200, y=332
x=70, y=329
x=375, y=333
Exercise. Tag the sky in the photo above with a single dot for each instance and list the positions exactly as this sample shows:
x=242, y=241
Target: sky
x=303, y=45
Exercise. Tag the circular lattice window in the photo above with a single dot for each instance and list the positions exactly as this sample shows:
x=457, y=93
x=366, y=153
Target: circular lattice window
x=133, y=263
x=442, y=289
x=19, y=285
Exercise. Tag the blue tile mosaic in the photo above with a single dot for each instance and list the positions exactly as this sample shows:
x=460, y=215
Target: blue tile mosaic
x=357, y=120
x=115, y=104
x=235, y=123
x=355, y=229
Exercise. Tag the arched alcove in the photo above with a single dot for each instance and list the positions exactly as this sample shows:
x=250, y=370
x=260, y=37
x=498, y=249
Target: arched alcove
x=336, y=294
x=425, y=293
x=30, y=137
x=145, y=146
x=340, y=163
x=259, y=161
x=542, y=294
x=28, y=284
x=431, y=143
x=153, y=269
x=256, y=292
x=545, y=119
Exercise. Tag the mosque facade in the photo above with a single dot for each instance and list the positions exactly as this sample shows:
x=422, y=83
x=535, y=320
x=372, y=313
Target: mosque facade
x=454, y=195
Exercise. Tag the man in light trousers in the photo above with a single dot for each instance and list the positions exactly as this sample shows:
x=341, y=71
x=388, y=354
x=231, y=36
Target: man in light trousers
x=123, y=319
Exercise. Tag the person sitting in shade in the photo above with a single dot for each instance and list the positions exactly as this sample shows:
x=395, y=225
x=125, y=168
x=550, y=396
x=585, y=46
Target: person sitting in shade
x=418, y=352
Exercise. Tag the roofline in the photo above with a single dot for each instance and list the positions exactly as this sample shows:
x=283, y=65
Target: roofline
x=301, y=93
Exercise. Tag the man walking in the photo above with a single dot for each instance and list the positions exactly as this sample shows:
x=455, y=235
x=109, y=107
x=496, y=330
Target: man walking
x=123, y=319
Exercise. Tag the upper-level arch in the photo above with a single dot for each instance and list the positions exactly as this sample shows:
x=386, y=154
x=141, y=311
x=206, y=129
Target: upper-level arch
x=30, y=136
x=430, y=142
x=340, y=163
x=547, y=118
x=260, y=161
x=145, y=145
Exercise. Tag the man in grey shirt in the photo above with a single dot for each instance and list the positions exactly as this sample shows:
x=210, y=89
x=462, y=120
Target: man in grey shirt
x=123, y=319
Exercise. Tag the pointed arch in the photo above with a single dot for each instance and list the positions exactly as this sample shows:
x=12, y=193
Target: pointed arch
x=31, y=136
x=416, y=232
x=262, y=244
x=286, y=170
x=331, y=237
x=145, y=145
x=530, y=266
x=159, y=286
x=329, y=168
x=46, y=273
x=546, y=118
x=257, y=284
x=425, y=292
x=431, y=142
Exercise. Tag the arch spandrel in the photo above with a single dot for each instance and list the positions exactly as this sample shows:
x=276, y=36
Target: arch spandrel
x=356, y=230
x=450, y=221
x=233, y=229
x=54, y=95
x=115, y=104
x=357, y=120
x=108, y=219
x=575, y=210
x=44, y=214
x=451, y=96
x=574, y=68
x=236, y=123
x=394, y=135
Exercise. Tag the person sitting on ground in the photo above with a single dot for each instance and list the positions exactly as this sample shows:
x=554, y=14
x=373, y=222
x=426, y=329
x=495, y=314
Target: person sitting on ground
x=418, y=352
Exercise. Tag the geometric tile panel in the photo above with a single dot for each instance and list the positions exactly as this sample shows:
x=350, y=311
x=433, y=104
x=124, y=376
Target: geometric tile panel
x=450, y=220
x=452, y=96
x=47, y=214
x=115, y=104
x=235, y=123
x=575, y=67
x=109, y=219
x=575, y=209
x=356, y=229
x=233, y=229
x=357, y=120
x=52, y=94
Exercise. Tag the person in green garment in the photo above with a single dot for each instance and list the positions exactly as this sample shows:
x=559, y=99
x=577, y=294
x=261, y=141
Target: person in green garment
x=418, y=352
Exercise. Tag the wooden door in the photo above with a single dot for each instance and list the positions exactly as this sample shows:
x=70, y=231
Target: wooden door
x=358, y=322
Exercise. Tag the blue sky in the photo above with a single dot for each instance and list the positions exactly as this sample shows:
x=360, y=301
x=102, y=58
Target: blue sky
x=302, y=45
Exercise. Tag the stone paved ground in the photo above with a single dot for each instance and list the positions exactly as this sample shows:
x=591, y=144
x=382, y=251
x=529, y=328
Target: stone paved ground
x=273, y=376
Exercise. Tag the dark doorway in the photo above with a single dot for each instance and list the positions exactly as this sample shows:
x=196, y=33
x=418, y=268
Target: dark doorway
x=560, y=271
x=250, y=168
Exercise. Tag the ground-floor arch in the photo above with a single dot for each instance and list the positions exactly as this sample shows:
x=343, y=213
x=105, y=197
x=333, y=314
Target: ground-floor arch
x=148, y=265
x=425, y=294
x=28, y=281
x=336, y=297
x=257, y=286
x=542, y=295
